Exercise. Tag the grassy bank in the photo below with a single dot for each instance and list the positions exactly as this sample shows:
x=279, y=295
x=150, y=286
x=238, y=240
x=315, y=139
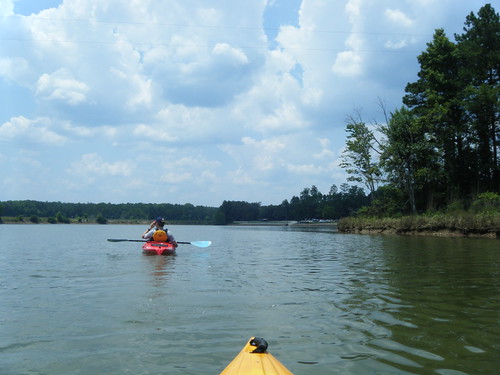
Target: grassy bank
x=462, y=224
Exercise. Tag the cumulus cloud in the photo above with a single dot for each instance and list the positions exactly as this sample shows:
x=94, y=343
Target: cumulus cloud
x=234, y=55
x=22, y=129
x=61, y=86
x=92, y=166
x=398, y=17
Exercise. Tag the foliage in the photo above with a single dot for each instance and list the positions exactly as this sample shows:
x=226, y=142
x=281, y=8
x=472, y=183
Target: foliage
x=61, y=218
x=388, y=202
x=100, y=219
x=239, y=211
x=122, y=211
x=487, y=203
x=407, y=155
x=464, y=223
x=34, y=219
x=457, y=96
x=311, y=204
x=357, y=158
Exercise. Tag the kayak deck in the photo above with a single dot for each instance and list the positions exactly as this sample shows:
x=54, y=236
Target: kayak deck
x=158, y=248
x=254, y=359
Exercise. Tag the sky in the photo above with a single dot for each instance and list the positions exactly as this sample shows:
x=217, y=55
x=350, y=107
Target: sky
x=199, y=101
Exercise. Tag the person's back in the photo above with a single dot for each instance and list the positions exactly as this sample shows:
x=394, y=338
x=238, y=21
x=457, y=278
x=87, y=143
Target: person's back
x=157, y=232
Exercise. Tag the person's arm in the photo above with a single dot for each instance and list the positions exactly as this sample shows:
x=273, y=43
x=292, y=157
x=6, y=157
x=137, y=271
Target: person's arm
x=171, y=238
x=145, y=234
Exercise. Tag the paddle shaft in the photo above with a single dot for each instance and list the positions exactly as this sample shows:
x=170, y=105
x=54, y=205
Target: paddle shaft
x=195, y=243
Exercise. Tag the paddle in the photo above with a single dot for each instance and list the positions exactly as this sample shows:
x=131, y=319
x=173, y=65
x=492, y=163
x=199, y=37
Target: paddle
x=194, y=243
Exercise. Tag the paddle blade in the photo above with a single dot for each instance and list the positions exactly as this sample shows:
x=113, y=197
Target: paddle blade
x=201, y=243
x=197, y=243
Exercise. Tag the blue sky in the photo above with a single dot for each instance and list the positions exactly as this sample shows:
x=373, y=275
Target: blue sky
x=198, y=101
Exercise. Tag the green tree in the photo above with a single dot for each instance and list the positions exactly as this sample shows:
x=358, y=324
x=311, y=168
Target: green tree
x=358, y=158
x=61, y=218
x=220, y=218
x=436, y=98
x=478, y=49
x=407, y=154
x=100, y=219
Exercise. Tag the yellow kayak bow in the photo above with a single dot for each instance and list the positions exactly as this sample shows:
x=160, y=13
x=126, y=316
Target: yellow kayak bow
x=255, y=360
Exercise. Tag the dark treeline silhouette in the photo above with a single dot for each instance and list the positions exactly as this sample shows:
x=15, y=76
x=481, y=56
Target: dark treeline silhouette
x=311, y=204
x=122, y=211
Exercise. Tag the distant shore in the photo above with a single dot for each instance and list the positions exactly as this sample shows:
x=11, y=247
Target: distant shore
x=477, y=227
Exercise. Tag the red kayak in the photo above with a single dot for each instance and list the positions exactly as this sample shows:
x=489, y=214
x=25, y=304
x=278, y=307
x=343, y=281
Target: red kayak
x=158, y=248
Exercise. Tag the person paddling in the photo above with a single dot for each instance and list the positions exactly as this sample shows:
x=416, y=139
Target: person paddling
x=156, y=232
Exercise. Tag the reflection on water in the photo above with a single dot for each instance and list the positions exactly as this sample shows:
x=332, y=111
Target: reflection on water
x=160, y=268
x=327, y=303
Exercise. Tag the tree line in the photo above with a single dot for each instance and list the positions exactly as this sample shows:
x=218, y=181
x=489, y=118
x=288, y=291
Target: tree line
x=101, y=212
x=310, y=204
x=441, y=147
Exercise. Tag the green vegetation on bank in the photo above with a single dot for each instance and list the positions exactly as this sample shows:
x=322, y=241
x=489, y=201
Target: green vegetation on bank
x=481, y=219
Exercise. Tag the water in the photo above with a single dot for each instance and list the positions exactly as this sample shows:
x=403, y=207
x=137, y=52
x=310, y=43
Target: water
x=327, y=303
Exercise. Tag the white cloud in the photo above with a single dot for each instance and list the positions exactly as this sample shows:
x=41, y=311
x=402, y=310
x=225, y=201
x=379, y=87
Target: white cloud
x=61, y=86
x=22, y=129
x=305, y=169
x=6, y=8
x=324, y=152
x=398, y=17
x=226, y=51
x=285, y=118
x=92, y=166
x=14, y=69
x=348, y=63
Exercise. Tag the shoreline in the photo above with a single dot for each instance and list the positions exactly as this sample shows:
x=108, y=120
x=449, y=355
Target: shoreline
x=367, y=229
x=425, y=233
x=478, y=225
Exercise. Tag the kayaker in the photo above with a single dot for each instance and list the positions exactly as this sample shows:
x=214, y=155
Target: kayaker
x=156, y=225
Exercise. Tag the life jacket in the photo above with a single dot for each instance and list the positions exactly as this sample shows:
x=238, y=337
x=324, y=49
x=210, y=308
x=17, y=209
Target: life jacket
x=160, y=236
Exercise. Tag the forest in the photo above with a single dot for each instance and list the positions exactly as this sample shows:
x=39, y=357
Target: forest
x=311, y=204
x=439, y=152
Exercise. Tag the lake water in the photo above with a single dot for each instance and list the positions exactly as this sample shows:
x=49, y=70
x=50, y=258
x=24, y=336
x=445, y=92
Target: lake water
x=327, y=303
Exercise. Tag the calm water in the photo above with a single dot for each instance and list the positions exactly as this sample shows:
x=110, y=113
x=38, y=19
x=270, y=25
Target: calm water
x=73, y=303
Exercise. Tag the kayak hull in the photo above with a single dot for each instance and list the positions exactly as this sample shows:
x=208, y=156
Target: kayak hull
x=158, y=248
x=247, y=362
